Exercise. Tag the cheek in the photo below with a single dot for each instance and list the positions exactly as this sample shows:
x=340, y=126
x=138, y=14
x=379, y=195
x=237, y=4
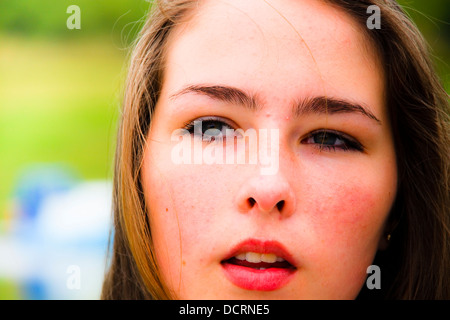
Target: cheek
x=182, y=201
x=350, y=213
x=347, y=224
x=349, y=204
x=343, y=221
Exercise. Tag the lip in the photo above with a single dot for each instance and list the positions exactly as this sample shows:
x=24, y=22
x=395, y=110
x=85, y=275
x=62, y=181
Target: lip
x=253, y=279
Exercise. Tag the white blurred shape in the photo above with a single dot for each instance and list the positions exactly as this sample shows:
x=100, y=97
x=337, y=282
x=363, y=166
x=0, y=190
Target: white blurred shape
x=79, y=216
x=70, y=232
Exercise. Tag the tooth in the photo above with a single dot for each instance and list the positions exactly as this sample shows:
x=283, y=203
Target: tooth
x=253, y=257
x=268, y=257
x=280, y=259
x=241, y=256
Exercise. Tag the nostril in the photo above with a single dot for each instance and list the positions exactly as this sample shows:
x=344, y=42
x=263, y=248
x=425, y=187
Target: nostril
x=251, y=202
x=280, y=205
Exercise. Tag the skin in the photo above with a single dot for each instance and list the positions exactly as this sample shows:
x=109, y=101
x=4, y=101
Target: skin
x=336, y=201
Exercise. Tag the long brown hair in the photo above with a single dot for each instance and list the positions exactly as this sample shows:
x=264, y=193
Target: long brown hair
x=416, y=264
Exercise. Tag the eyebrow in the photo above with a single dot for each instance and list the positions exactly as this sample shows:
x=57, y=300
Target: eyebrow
x=222, y=93
x=331, y=105
x=319, y=104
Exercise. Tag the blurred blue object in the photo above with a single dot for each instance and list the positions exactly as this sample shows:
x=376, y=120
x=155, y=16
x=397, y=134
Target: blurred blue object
x=58, y=245
x=39, y=181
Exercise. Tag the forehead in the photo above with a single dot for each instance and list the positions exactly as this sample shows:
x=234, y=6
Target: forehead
x=303, y=46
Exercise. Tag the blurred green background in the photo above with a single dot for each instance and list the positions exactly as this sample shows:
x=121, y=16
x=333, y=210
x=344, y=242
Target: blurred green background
x=60, y=89
x=60, y=92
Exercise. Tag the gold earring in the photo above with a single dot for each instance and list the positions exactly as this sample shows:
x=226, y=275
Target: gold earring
x=388, y=238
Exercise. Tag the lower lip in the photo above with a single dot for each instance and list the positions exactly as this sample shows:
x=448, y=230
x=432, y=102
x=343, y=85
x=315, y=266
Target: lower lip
x=255, y=279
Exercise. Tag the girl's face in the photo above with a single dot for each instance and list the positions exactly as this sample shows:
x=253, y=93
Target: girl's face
x=306, y=218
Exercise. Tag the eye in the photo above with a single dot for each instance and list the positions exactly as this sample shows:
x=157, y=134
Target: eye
x=332, y=141
x=209, y=129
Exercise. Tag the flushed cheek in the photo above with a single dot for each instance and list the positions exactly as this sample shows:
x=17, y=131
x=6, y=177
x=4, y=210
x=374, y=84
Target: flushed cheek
x=351, y=214
x=347, y=223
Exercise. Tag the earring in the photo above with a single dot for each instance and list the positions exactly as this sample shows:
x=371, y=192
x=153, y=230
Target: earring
x=388, y=237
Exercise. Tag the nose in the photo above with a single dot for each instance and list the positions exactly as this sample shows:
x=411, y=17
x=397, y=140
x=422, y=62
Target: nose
x=267, y=194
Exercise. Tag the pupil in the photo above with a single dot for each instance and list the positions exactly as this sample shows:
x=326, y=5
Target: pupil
x=325, y=138
x=211, y=125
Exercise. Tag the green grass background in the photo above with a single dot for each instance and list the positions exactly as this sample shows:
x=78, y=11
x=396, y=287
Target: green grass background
x=58, y=103
x=59, y=88
x=60, y=91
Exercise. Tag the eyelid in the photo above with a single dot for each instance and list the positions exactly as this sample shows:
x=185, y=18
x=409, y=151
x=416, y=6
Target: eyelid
x=210, y=118
x=335, y=132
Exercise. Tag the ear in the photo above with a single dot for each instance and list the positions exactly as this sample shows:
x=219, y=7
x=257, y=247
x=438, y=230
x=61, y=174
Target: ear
x=389, y=227
x=383, y=243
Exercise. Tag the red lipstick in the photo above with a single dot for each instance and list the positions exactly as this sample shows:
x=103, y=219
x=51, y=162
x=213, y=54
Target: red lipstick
x=259, y=275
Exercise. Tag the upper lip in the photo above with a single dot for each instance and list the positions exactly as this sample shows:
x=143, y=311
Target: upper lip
x=261, y=246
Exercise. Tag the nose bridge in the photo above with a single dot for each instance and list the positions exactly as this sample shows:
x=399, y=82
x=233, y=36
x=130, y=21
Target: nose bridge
x=267, y=194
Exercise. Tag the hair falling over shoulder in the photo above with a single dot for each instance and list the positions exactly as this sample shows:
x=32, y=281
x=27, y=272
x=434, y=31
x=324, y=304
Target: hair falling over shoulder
x=133, y=272
x=416, y=264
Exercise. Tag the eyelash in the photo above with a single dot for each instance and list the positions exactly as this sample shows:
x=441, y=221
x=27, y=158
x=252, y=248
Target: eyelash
x=347, y=143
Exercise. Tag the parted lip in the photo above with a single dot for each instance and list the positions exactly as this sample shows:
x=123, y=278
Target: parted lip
x=261, y=246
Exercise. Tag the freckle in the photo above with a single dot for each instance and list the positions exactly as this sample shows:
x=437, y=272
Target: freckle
x=184, y=262
x=167, y=209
